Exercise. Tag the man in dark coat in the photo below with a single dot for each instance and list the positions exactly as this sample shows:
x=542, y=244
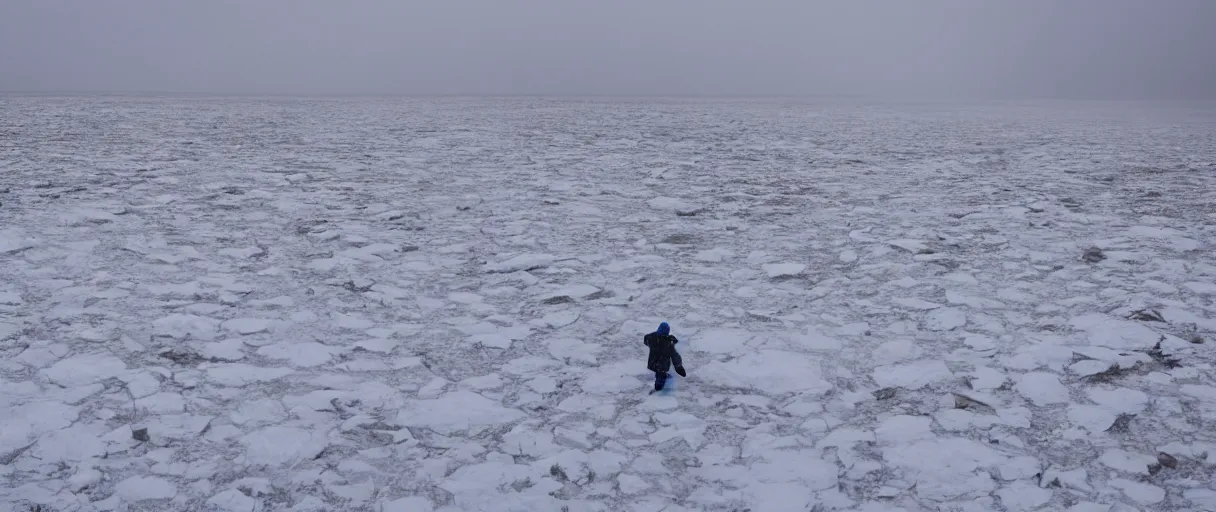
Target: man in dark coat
x=663, y=355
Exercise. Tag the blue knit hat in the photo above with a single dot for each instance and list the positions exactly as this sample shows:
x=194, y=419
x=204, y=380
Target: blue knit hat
x=664, y=329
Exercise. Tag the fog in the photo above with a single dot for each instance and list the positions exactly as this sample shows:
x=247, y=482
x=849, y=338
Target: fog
x=997, y=48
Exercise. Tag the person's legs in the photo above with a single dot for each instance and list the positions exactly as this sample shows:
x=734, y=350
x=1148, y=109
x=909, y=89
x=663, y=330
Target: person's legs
x=660, y=379
x=678, y=362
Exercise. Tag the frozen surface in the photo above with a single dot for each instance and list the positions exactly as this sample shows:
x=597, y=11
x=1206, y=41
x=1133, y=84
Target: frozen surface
x=437, y=305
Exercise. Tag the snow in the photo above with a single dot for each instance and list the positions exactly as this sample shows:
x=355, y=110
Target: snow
x=72, y=444
x=452, y=294
x=177, y=427
x=912, y=246
x=1205, y=498
x=520, y=262
x=280, y=445
x=946, y=468
x=577, y=291
x=300, y=354
x=84, y=369
x=352, y=321
x=559, y=319
x=162, y=403
x=1092, y=418
x=977, y=303
x=671, y=204
x=800, y=466
x=456, y=411
x=564, y=349
x=13, y=241
x=1087, y=367
x=783, y=269
x=408, y=504
x=226, y=350
x=773, y=371
x=904, y=429
x=24, y=422
x=261, y=411
x=1042, y=389
x=144, y=488
x=1105, y=331
x=1126, y=461
x=248, y=325
x=632, y=484
x=917, y=304
x=913, y=376
x=1089, y=506
x=1139, y=492
x=382, y=345
x=1119, y=400
x=945, y=319
x=182, y=326
x=713, y=255
x=232, y=500
x=1023, y=496
x=8, y=330
x=239, y=374
x=84, y=479
x=1201, y=287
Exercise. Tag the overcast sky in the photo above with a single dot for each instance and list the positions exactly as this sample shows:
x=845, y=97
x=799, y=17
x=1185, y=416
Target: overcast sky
x=1006, y=48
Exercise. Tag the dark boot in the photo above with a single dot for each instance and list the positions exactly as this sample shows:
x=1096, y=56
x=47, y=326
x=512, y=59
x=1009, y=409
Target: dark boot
x=660, y=379
x=681, y=372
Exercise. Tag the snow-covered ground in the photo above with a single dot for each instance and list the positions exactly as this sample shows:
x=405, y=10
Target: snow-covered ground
x=438, y=305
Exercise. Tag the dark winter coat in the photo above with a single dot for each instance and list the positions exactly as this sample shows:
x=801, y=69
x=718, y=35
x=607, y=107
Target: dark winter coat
x=662, y=349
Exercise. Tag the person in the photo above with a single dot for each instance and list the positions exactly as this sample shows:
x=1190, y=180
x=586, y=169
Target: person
x=663, y=355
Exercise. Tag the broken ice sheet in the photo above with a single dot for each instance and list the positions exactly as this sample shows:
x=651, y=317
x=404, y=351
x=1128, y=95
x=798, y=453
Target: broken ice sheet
x=251, y=294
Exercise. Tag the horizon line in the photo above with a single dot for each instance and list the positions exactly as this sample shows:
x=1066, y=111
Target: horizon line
x=66, y=92
x=561, y=95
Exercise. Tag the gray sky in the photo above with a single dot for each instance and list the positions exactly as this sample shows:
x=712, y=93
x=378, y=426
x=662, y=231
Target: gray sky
x=1007, y=48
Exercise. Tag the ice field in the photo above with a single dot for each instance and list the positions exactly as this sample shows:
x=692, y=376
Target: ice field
x=437, y=305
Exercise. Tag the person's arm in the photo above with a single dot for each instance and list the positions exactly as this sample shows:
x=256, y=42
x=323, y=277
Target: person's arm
x=674, y=340
x=646, y=340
